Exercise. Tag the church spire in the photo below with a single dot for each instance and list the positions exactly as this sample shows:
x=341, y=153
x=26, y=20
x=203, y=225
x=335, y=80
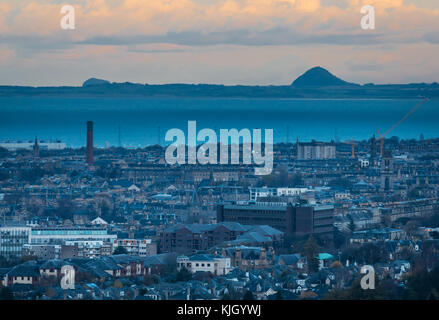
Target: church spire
x=36, y=148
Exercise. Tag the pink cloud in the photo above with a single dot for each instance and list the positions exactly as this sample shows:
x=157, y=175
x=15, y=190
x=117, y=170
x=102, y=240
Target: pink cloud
x=399, y=24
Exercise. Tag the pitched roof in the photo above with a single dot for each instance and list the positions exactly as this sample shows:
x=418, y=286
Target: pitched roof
x=288, y=259
x=202, y=257
x=53, y=264
x=27, y=269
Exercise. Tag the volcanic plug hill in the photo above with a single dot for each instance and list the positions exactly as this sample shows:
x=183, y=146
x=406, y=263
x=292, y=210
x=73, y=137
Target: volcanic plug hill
x=319, y=77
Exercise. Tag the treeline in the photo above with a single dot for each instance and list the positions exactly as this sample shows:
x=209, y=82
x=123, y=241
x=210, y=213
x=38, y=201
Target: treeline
x=419, y=286
x=222, y=91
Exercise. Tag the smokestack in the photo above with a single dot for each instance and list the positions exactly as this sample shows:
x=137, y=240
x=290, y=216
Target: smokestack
x=90, y=143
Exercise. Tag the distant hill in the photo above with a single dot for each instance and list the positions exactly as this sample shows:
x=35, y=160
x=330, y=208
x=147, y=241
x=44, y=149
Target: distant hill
x=319, y=77
x=94, y=82
x=316, y=83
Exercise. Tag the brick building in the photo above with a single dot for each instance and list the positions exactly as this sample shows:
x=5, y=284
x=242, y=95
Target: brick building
x=188, y=238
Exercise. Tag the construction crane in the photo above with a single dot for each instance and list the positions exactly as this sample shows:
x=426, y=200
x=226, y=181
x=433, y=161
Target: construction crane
x=382, y=136
x=353, y=143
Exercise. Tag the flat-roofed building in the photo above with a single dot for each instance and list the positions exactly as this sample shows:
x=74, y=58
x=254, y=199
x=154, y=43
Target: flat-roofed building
x=315, y=151
x=44, y=235
x=293, y=219
x=264, y=192
x=42, y=251
x=12, y=240
x=137, y=247
x=214, y=264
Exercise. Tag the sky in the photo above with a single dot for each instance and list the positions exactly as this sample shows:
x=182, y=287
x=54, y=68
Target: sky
x=249, y=42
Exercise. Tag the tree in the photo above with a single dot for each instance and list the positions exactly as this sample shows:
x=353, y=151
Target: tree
x=339, y=238
x=432, y=221
x=32, y=175
x=117, y=284
x=50, y=292
x=336, y=264
x=434, y=235
x=296, y=180
x=341, y=182
x=385, y=289
x=411, y=227
x=351, y=225
x=143, y=291
x=13, y=198
x=279, y=295
x=65, y=209
x=183, y=275
x=231, y=294
x=170, y=264
x=3, y=152
x=226, y=296
x=414, y=194
x=308, y=295
x=369, y=253
x=6, y=294
x=149, y=279
x=248, y=296
x=311, y=251
x=120, y=250
x=3, y=262
x=4, y=175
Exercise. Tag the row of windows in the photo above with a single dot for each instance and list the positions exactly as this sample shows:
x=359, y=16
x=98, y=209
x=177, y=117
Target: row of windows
x=11, y=249
x=14, y=233
x=15, y=240
x=69, y=232
x=189, y=265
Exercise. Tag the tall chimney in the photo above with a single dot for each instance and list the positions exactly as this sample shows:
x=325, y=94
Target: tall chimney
x=90, y=143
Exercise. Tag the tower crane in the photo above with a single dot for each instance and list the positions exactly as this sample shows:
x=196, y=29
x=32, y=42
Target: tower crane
x=353, y=143
x=382, y=136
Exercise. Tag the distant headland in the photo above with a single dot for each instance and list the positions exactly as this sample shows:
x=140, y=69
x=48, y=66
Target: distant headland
x=316, y=83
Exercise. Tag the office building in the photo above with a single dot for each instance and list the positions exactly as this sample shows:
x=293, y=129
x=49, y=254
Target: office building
x=137, y=247
x=315, y=151
x=293, y=219
x=265, y=192
x=12, y=240
x=61, y=235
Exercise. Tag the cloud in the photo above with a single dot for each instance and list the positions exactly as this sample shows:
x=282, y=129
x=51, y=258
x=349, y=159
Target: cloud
x=245, y=22
x=272, y=37
x=139, y=30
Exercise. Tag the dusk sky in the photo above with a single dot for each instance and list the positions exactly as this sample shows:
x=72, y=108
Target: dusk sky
x=217, y=41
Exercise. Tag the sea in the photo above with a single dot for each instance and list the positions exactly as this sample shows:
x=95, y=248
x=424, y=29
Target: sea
x=139, y=122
